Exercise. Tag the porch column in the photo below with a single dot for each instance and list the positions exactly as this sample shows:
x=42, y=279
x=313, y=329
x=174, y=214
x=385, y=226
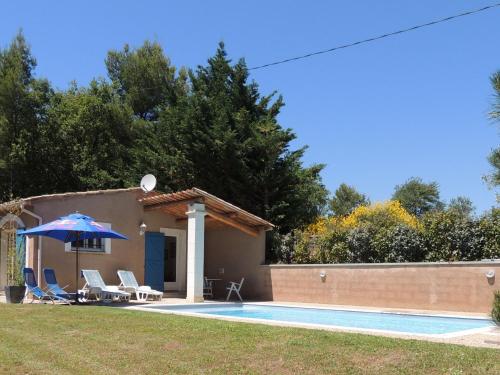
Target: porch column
x=195, y=252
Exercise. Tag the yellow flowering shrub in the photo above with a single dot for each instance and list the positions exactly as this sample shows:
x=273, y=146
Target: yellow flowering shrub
x=309, y=241
x=318, y=227
x=381, y=214
x=323, y=225
x=386, y=232
x=327, y=239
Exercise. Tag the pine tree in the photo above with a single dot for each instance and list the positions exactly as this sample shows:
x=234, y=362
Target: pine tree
x=23, y=107
x=345, y=199
x=231, y=144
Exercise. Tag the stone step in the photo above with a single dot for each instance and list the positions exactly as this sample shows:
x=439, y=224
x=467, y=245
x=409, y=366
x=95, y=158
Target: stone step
x=174, y=294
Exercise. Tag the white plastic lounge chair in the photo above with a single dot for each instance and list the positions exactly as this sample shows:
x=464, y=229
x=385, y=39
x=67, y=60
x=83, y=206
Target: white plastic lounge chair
x=95, y=286
x=208, y=288
x=142, y=293
x=235, y=287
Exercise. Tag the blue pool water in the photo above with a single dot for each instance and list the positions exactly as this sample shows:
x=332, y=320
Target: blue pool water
x=402, y=323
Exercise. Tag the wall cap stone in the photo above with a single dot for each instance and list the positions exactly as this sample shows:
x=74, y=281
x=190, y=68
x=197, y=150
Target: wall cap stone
x=485, y=263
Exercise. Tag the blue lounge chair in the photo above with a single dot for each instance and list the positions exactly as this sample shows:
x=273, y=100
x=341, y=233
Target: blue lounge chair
x=36, y=291
x=53, y=287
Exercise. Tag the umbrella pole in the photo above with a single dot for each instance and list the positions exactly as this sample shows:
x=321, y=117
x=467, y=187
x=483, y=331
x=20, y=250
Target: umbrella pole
x=77, y=268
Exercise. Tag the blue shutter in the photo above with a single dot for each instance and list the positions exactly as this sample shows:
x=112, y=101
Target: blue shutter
x=154, y=260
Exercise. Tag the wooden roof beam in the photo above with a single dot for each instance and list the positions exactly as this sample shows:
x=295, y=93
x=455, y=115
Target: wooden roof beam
x=226, y=219
x=156, y=206
x=185, y=219
x=231, y=222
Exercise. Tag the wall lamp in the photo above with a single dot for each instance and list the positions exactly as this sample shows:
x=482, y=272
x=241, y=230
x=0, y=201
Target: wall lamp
x=142, y=228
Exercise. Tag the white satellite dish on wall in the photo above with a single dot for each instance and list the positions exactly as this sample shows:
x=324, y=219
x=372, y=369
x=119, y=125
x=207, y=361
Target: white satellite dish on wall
x=148, y=183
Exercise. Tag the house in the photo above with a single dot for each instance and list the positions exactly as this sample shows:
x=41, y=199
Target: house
x=174, y=239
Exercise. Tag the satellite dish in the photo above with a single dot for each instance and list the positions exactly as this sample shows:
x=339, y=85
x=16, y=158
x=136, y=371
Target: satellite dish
x=148, y=183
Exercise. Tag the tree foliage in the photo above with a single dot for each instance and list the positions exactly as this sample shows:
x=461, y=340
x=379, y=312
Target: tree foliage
x=380, y=215
x=461, y=206
x=445, y=235
x=231, y=144
x=381, y=232
x=212, y=128
x=494, y=158
x=489, y=224
x=93, y=129
x=209, y=127
x=23, y=122
x=345, y=199
x=144, y=77
x=418, y=197
x=450, y=237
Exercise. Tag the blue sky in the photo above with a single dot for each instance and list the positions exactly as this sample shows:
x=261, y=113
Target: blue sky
x=377, y=114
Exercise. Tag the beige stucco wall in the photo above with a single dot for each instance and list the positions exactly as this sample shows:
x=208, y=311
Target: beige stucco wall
x=460, y=286
x=125, y=214
x=238, y=254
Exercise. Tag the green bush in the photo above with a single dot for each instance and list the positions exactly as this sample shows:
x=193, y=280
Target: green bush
x=333, y=247
x=495, y=312
x=400, y=244
x=490, y=227
x=437, y=236
x=305, y=248
x=468, y=240
x=451, y=237
x=280, y=248
x=360, y=245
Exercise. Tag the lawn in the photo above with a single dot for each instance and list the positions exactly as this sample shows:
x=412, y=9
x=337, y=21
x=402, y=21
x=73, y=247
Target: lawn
x=45, y=339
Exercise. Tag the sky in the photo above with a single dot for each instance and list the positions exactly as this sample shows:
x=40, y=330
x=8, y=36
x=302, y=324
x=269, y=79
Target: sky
x=377, y=114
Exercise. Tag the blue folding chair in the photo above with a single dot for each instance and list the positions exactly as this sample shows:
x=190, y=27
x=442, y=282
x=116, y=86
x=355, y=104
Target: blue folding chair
x=53, y=287
x=36, y=291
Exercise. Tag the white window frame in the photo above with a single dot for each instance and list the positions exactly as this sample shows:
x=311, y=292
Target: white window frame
x=106, y=241
x=181, y=258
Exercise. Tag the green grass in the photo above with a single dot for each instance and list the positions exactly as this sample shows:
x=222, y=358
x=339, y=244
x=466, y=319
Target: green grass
x=44, y=339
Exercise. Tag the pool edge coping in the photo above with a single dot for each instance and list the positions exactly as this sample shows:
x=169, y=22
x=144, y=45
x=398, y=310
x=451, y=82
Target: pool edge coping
x=333, y=328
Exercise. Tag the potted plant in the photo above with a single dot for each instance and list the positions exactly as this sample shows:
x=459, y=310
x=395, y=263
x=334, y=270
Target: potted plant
x=15, y=288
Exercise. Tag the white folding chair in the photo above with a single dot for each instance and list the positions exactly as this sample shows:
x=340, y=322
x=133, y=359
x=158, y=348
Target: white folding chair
x=235, y=287
x=208, y=288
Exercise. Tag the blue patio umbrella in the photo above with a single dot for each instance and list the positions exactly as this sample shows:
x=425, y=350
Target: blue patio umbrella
x=73, y=228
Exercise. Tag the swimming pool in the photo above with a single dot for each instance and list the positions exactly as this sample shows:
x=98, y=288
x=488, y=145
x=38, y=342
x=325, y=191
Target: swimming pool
x=333, y=318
